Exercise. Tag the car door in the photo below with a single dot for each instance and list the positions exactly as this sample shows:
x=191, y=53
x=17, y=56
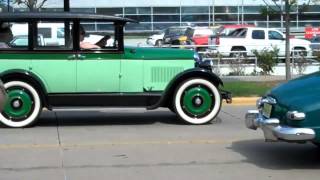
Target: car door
x=98, y=72
x=54, y=64
x=258, y=40
x=98, y=64
x=276, y=40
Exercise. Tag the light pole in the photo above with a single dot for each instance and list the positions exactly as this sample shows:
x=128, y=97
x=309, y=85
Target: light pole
x=8, y=3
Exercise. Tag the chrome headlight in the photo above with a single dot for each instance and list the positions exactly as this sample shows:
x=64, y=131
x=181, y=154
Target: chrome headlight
x=268, y=100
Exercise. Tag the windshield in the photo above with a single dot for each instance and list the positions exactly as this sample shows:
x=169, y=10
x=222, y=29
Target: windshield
x=175, y=31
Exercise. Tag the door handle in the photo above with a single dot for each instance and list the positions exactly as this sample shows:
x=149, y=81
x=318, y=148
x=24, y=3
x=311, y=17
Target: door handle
x=72, y=57
x=80, y=57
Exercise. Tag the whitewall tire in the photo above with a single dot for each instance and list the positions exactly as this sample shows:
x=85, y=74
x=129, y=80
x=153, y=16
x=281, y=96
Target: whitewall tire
x=197, y=101
x=23, y=105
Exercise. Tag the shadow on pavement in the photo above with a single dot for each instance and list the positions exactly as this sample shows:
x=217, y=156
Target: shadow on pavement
x=93, y=118
x=278, y=155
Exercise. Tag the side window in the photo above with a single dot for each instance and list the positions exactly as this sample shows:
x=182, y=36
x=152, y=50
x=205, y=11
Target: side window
x=13, y=35
x=98, y=35
x=54, y=35
x=258, y=34
x=274, y=35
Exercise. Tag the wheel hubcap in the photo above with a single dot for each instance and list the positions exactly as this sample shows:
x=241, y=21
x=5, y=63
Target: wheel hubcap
x=197, y=101
x=19, y=104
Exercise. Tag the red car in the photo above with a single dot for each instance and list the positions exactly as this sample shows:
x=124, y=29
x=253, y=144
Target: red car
x=200, y=36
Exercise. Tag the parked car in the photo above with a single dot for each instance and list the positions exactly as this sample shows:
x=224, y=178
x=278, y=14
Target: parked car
x=315, y=43
x=225, y=30
x=52, y=33
x=22, y=40
x=243, y=41
x=80, y=74
x=199, y=35
x=175, y=35
x=3, y=96
x=156, y=39
x=289, y=112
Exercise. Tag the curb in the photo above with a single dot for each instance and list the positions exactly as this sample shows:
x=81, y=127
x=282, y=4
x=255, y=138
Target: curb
x=242, y=101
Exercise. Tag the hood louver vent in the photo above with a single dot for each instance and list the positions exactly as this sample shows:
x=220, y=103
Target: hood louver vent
x=164, y=74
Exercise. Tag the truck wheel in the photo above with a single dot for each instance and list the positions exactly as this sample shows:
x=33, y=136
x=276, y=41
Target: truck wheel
x=197, y=101
x=299, y=52
x=236, y=54
x=23, y=105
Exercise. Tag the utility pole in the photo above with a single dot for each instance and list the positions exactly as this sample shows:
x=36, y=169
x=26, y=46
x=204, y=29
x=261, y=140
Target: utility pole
x=8, y=3
x=66, y=7
x=287, y=26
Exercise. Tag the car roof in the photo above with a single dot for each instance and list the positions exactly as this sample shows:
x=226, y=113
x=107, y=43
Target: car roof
x=238, y=25
x=61, y=16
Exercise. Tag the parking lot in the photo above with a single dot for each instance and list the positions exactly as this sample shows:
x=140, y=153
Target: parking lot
x=138, y=144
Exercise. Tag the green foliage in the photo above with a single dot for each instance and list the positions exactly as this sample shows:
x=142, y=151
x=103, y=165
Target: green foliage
x=267, y=59
x=244, y=89
x=31, y=4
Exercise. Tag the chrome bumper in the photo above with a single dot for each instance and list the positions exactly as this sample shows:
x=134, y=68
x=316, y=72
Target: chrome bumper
x=273, y=131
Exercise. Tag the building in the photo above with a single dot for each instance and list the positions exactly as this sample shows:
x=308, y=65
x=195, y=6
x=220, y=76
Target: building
x=158, y=14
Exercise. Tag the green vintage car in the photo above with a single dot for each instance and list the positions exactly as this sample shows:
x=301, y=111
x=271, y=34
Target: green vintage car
x=289, y=112
x=76, y=71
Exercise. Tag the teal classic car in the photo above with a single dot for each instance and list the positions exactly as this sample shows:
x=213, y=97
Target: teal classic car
x=289, y=112
x=79, y=72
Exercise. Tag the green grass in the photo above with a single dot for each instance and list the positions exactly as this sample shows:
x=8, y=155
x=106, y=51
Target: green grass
x=249, y=89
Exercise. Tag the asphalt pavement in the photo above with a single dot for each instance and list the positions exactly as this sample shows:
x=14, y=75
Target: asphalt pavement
x=137, y=144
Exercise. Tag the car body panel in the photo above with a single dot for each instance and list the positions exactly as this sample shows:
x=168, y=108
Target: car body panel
x=302, y=95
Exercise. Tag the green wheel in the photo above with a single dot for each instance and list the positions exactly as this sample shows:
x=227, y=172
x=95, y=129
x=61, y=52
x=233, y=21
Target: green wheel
x=23, y=105
x=197, y=101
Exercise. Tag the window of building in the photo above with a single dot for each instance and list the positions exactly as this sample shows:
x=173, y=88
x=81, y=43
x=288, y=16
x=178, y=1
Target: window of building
x=166, y=18
x=139, y=27
x=258, y=34
x=251, y=9
x=140, y=18
x=162, y=26
x=110, y=11
x=226, y=9
x=137, y=10
x=166, y=10
x=82, y=10
x=195, y=10
x=195, y=18
x=226, y=17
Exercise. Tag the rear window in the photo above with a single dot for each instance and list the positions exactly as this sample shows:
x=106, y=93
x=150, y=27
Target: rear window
x=258, y=34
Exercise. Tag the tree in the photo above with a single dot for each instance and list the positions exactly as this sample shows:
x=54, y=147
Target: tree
x=289, y=4
x=32, y=5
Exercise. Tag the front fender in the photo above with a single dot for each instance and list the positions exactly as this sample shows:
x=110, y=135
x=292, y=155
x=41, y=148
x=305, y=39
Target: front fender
x=29, y=77
x=190, y=73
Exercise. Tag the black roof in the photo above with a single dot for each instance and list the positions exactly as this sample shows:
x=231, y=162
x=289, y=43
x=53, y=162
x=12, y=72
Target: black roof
x=61, y=16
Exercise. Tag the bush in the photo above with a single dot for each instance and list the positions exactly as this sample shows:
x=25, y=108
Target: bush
x=267, y=59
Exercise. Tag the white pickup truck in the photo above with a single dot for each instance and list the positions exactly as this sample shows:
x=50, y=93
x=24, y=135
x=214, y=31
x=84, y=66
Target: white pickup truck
x=244, y=40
